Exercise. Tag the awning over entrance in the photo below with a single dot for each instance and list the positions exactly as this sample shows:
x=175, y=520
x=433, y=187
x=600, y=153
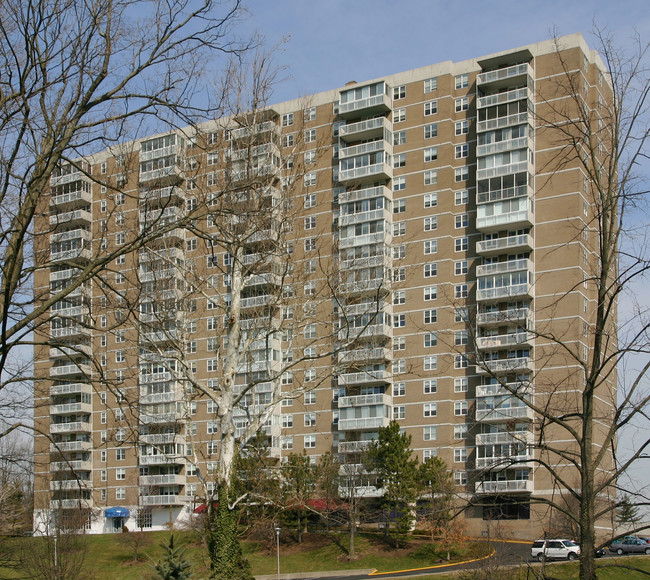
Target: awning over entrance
x=117, y=512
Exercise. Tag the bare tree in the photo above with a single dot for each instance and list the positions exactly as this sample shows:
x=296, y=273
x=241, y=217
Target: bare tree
x=596, y=113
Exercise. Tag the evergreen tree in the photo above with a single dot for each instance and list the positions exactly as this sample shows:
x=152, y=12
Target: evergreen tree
x=627, y=513
x=390, y=458
x=173, y=566
x=299, y=479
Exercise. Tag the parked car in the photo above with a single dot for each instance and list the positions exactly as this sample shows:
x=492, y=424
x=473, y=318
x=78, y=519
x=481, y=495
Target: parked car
x=599, y=552
x=629, y=546
x=556, y=549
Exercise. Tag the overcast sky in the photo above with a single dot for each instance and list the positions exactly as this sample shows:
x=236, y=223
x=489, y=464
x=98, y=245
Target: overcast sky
x=331, y=42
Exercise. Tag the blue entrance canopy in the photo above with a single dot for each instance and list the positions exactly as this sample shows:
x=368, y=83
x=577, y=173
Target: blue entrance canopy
x=117, y=512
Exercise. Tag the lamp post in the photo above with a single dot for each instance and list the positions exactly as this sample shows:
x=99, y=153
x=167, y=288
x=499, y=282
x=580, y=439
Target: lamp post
x=277, y=547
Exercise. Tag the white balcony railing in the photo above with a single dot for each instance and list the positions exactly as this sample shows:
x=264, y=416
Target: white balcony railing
x=503, y=340
x=504, y=267
x=505, y=438
x=503, y=245
x=364, y=354
x=365, y=423
x=162, y=499
x=170, y=479
x=364, y=400
x=369, y=377
x=505, y=365
x=502, y=74
x=504, y=486
x=73, y=427
x=510, y=316
x=66, y=446
x=71, y=408
x=505, y=414
x=503, y=292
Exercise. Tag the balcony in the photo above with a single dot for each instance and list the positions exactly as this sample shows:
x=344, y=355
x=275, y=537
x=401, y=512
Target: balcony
x=162, y=438
x=364, y=148
x=504, y=76
x=503, y=122
x=255, y=172
x=502, y=146
x=373, y=105
x=509, y=169
x=366, y=193
x=69, y=173
x=383, y=260
x=156, y=398
x=71, y=218
x=365, y=216
x=269, y=128
x=258, y=301
x=375, y=287
x=503, y=462
x=506, y=438
x=502, y=414
x=149, y=418
x=506, y=365
x=71, y=465
x=65, y=504
x=369, y=173
x=365, y=400
x=71, y=409
x=67, y=352
x=518, y=316
x=365, y=240
x=159, y=336
x=172, y=172
x=266, y=279
x=75, y=254
x=363, y=424
x=507, y=389
x=505, y=97
x=162, y=152
x=70, y=370
x=364, y=378
x=265, y=150
x=163, y=196
x=504, y=267
x=365, y=355
x=507, y=193
x=161, y=460
x=504, y=340
x=71, y=200
x=73, y=427
x=69, y=484
x=378, y=128
x=504, y=486
x=173, y=479
x=504, y=292
x=162, y=500
x=369, y=331
x=71, y=389
x=354, y=446
x=521, y=243
x=68, y=446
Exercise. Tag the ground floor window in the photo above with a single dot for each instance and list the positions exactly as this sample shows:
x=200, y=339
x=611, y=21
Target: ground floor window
x=506, y=509
x=144, y=519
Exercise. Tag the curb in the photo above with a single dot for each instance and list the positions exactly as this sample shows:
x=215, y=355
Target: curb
x=375, y=573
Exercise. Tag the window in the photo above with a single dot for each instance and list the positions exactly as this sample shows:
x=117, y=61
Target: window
x=461, y=81
x=430, y=409
x=430, y=85
x=120, y=454
x=120, y=493
x=399, y=229
x=430, y=154
x=460, y=408
x=310, y=135
x=212, y=365
x=399, y=320
x=399, y=137
x=461, y=221
x=287, y=119
x=310, y=375
x=120, y=238
x=310, y=441
x=309, y=200
x=430, y=292
x=191, y=244
x=430, y=177
x=287, y=378
x=310, y=288
x=286, y=421
x=310, y=222
x=431, y=108
x=399, y=206
x=430, y=433
x=399, y=389
x=430, y=339
x=288, y=140
x=461, y=127
x=212, y=158
x=399, y=297
x=399, y=115
x=103, y=475
x=461, y=314
x=310, y=419
x=399, y=274
x=399, y=92
x=287, y=313
x=460, y=267
x=310, y=266
x=430, y=386
x=310, y=179
x=286, y=442
x=431, y=270
x=460, y=477
x=460, y=431
x=120, y=473
x=399, y=252
x=310, y=114
x=399, y=343
x=461, y=244
x=460, y=455
x=460, y=385
x=430, y=223
x=461, y=291
x=310, y=331
x=399, y=160
x=461, y=151
x=399, y=183
x=430, y=316
x=103, y=453
x=461, y=104
x=461, y=197
x=460, y=361
x=102, y=207
x=461, y=174
x=310, y=398
x=119, y=356
x=431, y=130
x=120, y=278
x=399, y=366
x=430, y=199
x=430, y=362
x=430, y=247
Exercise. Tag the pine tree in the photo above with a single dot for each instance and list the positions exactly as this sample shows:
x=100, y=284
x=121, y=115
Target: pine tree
x=174, y=566
x=628, y=513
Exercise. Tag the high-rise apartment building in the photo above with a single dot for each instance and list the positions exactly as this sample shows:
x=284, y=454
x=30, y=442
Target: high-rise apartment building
x=405, y=247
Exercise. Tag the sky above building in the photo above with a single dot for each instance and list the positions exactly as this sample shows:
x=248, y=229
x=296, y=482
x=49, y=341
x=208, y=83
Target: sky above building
x=331, y=42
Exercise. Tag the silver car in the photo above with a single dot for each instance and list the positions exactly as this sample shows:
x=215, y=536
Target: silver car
x=630, y=546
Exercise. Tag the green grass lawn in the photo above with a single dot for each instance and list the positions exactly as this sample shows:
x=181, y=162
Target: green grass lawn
x=110, y=557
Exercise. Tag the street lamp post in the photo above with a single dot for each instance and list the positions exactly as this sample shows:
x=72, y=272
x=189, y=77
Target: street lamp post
x=277, y=547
